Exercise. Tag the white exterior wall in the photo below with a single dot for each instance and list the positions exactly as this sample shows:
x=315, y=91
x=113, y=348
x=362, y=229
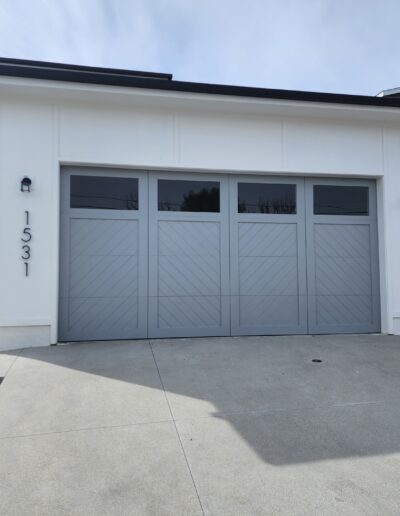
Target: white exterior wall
x=44, y=125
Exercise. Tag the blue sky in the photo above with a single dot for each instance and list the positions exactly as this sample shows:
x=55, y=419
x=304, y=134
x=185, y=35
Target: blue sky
x=346, y=46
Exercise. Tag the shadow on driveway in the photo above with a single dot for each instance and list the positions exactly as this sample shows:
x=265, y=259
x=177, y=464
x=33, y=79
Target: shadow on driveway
x=287, y=408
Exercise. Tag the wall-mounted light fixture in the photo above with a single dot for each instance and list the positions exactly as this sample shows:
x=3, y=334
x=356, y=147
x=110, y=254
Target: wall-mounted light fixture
x=26, y=183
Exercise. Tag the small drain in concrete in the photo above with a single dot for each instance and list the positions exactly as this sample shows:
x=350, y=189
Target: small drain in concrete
x=1, y=378
x=316, y=360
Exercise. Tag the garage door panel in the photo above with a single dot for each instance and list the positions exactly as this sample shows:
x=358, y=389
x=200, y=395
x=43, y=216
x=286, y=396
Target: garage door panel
x=189, y=260
x=189, y=312
x=261, y=239
x=342, y=276
x=188, y=238
x=188, y=275
x=103, y=316
x=344, y=310
x=273, y=275
x=103, y=270
x=275, y=311
x=267, y=256
x=103, y=237
x=342, y=259
x=104, y=276
x=350, y=240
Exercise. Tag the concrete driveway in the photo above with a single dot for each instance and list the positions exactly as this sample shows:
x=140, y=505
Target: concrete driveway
x=215, y=426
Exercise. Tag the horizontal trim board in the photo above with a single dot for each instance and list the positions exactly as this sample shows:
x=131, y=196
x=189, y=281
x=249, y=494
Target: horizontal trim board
x=24, y=322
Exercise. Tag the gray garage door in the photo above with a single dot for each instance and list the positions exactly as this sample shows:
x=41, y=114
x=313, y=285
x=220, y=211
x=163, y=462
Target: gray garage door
x=342, y=257
x=268, y=268
x=304, y=256
x=146, y=254
x=188, y=255
x=103, y=267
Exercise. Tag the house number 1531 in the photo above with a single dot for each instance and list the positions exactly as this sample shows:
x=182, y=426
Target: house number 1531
x=26, y=248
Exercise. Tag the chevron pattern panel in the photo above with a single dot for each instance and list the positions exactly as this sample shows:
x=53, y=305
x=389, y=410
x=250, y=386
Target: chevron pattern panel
x=269, y=310
x=343, y=277
x=189, y=274
x=268, y=274
x=103, y=276
x=267, y=239
x=189, y=312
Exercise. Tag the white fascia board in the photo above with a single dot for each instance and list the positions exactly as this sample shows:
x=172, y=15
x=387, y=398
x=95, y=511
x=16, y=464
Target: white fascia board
x=57, y=91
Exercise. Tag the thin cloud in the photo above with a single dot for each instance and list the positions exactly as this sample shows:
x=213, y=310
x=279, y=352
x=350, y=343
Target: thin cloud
x=321, y=45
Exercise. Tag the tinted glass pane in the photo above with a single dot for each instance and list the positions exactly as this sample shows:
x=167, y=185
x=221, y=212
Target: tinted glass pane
x=176, y=195
x=340, y=200
x=104, y=193
x=266, y=198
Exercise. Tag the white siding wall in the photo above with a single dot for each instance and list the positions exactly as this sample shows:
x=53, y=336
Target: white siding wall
x=35, y=137
x=390, y=255
x=28, y=147
x=333, y=148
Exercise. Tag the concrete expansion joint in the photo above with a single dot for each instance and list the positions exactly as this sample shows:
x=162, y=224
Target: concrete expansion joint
x=86, y=429
x=195, y=418
x=17, y=354
x=177, y=431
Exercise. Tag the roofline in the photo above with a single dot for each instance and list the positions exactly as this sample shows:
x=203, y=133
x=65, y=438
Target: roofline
x=148, y=80
x=10, y=62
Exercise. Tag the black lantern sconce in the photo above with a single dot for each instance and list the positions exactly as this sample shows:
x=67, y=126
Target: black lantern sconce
x=26, y=183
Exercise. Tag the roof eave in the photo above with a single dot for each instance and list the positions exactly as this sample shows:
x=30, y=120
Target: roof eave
x=148, y=80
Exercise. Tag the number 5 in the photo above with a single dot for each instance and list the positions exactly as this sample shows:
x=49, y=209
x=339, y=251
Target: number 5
x=26, y=232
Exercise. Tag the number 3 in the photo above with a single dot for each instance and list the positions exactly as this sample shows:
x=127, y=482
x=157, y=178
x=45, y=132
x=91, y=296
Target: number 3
x=27, y=251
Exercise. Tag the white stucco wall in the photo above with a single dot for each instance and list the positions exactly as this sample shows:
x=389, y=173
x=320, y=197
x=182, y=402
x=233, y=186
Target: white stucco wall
x=44, y=124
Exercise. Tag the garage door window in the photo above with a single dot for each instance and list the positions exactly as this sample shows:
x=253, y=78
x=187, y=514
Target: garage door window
x=266, y=198
x=104, y=193
x=341, y=200
x=198, y=196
